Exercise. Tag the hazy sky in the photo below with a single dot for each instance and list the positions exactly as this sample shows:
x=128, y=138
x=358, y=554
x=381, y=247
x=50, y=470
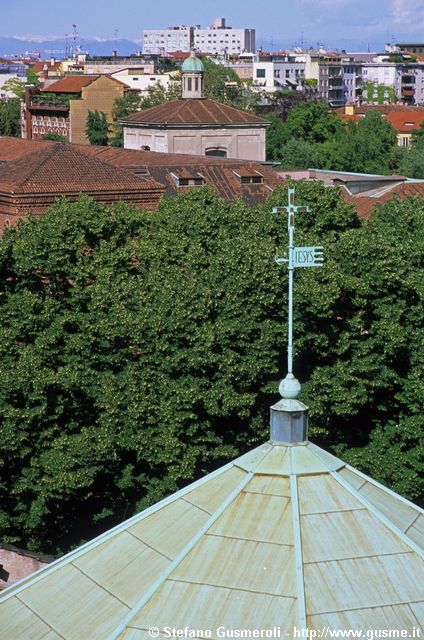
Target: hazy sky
x=327, y=21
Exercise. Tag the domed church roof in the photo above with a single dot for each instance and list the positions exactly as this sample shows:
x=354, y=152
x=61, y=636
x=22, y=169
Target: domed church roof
x=192, y=64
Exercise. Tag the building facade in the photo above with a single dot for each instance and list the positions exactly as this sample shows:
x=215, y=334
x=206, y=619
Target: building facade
x=196, y=125
x=62, y=107
x=274, y=75
x=216, y=39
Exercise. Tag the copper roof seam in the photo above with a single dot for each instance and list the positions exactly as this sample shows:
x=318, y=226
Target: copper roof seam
x=298, y=553
x=377, y=513
x=412, y=523
x=180, y=557
x=147, y=545
x=227, y=537
x=347, y=510
x=243, y=589
x=357, y=557
x=405, y=603
x=383, y=488
x=40, y=618
x=100, y=586
x=197, y=506
x=138, y=517
x=324, y=459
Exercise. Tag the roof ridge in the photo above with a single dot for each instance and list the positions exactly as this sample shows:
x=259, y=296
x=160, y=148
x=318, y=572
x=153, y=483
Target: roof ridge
x=298, y=550
x=378, y=514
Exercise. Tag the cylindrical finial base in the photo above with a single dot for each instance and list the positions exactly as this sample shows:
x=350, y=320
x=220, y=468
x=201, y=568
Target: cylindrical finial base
x=289, y=421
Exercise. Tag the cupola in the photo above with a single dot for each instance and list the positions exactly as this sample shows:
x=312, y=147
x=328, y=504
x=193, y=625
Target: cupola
x=192, y=70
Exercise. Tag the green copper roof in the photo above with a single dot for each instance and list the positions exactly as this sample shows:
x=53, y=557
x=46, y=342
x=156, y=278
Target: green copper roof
x=192, y=65
x=285, y=536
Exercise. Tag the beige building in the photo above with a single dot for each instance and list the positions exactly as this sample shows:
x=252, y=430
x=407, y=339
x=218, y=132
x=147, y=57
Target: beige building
x=62, y=107
x=196, y=125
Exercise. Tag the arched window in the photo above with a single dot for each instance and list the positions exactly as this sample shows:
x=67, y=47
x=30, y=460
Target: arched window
x=214, y=151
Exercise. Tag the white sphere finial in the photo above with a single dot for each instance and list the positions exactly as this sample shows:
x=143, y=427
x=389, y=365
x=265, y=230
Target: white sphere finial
x=289, y=388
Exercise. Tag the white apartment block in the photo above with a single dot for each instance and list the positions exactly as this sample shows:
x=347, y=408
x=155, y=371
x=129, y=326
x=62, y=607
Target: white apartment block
x=216, y=39
x=383, y=73
x=271, y=76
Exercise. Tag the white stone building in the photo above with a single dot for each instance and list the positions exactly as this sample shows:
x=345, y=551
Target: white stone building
x=216, y=39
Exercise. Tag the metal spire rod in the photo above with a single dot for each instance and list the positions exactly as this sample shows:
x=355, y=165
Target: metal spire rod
x=297, y=257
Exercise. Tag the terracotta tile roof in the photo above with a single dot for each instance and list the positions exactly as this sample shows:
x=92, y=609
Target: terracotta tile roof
x=60, y=168
x=33, y=174
x=39, y=66
x=405, y=122
x=194, y=111
x=71, y=84
x=217, y=172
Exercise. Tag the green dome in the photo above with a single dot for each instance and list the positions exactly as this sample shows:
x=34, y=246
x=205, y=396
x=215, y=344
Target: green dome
x=192, y=64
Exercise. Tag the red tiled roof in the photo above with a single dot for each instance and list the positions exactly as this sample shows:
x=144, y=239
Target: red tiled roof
x=71, y=84
x=217, y=172
x=194, y=111
x=34, y=174
x=405, y=122
x=39, y=66
x=60, y=168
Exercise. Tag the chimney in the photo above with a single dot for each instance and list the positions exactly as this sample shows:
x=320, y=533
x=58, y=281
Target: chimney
x=52, y=62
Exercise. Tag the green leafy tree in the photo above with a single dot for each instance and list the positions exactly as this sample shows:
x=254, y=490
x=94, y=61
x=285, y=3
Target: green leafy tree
x=301, y=154
x=15, y=86
x=279, y=103
x=135, y=354
x=32, y=78
x=365, y=146
x=381, y=93
x=138, y=352
x=10, y=114
x=56, y=137
x=369, y=91
x=97, y=128
x=412, y=163
x=312, y=121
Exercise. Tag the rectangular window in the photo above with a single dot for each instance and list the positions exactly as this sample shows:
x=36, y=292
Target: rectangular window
x=260, y=73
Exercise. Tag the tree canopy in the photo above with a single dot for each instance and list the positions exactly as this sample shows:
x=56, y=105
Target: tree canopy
x=312, y=135
x=412, y=162
x=10, y=118
x=139, y=351
x=97, y=128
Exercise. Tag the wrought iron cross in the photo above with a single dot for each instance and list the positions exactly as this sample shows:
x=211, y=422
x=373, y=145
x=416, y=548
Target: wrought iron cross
x=297, y=257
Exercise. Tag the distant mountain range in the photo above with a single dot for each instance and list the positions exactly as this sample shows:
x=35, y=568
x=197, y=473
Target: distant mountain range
x=59, y=47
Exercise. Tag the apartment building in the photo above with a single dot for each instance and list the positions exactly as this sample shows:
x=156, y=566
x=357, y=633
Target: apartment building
x=217, y=39
x=272, y=75
x=327, y=70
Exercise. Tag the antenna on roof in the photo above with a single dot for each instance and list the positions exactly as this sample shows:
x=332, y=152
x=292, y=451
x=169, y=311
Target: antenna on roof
x=74, y=40
x=289, y=416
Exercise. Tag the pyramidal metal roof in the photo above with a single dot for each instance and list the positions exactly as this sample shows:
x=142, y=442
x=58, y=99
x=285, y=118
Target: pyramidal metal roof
x=285, y=536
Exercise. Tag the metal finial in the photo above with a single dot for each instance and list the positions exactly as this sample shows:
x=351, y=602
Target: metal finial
x=289, y=388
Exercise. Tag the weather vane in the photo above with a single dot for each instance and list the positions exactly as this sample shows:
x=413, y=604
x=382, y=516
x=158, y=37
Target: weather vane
x=297, y=257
